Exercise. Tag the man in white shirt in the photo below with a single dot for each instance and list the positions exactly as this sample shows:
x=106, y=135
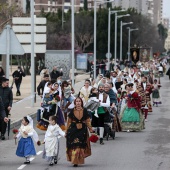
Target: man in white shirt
x=104, y=103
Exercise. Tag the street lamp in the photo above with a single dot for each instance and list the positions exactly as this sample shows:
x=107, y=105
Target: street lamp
x=130, y=30
x=116, y=17
x=95, y=23
x=121, y=25
x=109, y=27
x=72, y=40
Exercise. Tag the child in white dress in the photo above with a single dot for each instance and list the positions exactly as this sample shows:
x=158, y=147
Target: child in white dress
x=51, y=149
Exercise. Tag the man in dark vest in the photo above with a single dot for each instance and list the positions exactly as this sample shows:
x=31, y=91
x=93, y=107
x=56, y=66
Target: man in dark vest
x=98, y=122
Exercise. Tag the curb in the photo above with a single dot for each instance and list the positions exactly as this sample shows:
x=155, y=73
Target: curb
x=18, y=122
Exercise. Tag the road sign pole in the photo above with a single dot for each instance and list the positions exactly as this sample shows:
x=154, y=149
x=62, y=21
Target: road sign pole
x=32, y=53
x=7, y=50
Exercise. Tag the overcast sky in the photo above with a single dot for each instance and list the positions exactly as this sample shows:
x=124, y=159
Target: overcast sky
x=166, y=8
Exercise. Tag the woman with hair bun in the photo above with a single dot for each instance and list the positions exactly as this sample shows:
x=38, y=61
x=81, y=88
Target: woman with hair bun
x=131, y=118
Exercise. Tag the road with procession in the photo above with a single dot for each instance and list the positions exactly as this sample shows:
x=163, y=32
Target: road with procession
x=146, y=150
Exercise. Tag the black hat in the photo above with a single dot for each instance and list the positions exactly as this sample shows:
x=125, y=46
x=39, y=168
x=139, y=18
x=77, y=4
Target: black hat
x=4, y=79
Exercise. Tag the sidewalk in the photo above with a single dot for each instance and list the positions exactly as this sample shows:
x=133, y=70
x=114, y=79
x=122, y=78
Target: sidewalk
x=22, y=104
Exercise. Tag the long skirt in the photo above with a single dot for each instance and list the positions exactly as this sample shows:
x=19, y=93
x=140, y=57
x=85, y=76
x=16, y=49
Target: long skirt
x=78, y=144
x=78, y=155
x=131, y=119
x=25, y=147
x=51, y=149
x=156, y=97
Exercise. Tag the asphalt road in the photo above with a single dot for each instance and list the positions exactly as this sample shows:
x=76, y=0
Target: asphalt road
x=146, y=150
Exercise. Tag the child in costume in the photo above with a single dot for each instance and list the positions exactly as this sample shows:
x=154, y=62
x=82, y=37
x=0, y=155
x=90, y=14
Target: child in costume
x=51, y=149
x=25, y=145
x=93, y=103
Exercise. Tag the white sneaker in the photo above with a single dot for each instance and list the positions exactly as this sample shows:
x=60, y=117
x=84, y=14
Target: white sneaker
x=128, y=131
x=146, y=120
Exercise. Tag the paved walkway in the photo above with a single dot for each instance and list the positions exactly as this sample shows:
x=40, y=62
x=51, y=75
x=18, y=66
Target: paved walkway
x=22, y=104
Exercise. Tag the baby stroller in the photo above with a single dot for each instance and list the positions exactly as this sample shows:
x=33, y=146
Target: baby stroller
x=108, y=122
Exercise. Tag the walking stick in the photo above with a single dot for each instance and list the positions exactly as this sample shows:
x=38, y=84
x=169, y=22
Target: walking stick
x=9, y=125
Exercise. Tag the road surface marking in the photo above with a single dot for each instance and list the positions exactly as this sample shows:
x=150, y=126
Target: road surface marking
x=22, y=166
x=31, y=159
x=38, y=153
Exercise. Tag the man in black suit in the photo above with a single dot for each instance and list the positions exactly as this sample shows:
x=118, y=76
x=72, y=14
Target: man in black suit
x=17, y=76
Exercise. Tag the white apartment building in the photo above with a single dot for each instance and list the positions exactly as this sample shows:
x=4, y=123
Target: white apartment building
x=150, y=8
x=167, y=41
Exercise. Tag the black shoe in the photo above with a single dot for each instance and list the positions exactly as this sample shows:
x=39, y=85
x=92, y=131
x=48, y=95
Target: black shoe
x=2, y=137
x=75, y=165
x=55, y=161
x=101, y=141
x=51, y=164
x=27, y=162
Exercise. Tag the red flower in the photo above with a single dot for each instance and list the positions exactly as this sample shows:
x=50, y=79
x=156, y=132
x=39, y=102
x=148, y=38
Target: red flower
x=39, y=143
x=135, y=95
x=15, y=131
x=93, y=138
x=57, y=98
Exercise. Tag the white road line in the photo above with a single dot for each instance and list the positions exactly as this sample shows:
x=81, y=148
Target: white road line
x=38, y=153
x=22, y=166
x=31, y=159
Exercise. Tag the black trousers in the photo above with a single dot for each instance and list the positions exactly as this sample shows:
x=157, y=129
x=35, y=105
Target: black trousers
x=98, y=122
x=3, y=125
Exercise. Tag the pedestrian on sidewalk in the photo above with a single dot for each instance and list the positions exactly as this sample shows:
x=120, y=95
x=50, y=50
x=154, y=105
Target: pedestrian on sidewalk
x=7, y=99
x=51, y=149
x=17, y=76
x=55, y=74
x=40, y=87
x=77, y=135
x=25, y=145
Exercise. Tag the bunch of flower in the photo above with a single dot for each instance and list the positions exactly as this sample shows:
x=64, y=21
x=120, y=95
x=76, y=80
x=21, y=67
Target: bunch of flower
x=38, y=143
x=93, y=138
x=57, y=97
x=15, y=131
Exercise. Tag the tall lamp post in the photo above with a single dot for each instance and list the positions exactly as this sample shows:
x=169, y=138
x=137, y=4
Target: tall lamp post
x=121, y=27
x=130, y=30
x=109, y=28
x=95, y=24
x=116, y=17
x=72, y=40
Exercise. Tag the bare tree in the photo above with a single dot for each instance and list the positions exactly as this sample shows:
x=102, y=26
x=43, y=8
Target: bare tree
x=83, y=31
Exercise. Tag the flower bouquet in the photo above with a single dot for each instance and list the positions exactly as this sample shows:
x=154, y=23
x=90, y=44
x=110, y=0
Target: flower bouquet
x=57, y=97
x=15, y=131
x=39, y=143
x=93, y=138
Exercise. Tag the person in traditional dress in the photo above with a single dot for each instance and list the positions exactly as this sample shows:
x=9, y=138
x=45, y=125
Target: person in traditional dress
x=77, y=143
x=51, y=141
x=93, y=103
x=68, y=98
x=85, y=91
x=104, y=103
x=113, y=106
x=131, y=118
x=25, y=145
x=156, y=93
x=145, y=89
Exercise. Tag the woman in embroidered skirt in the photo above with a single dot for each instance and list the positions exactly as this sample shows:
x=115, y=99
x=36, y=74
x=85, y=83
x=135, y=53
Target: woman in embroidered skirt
x=131, y=118
x=156, y=93
x=77, y=143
